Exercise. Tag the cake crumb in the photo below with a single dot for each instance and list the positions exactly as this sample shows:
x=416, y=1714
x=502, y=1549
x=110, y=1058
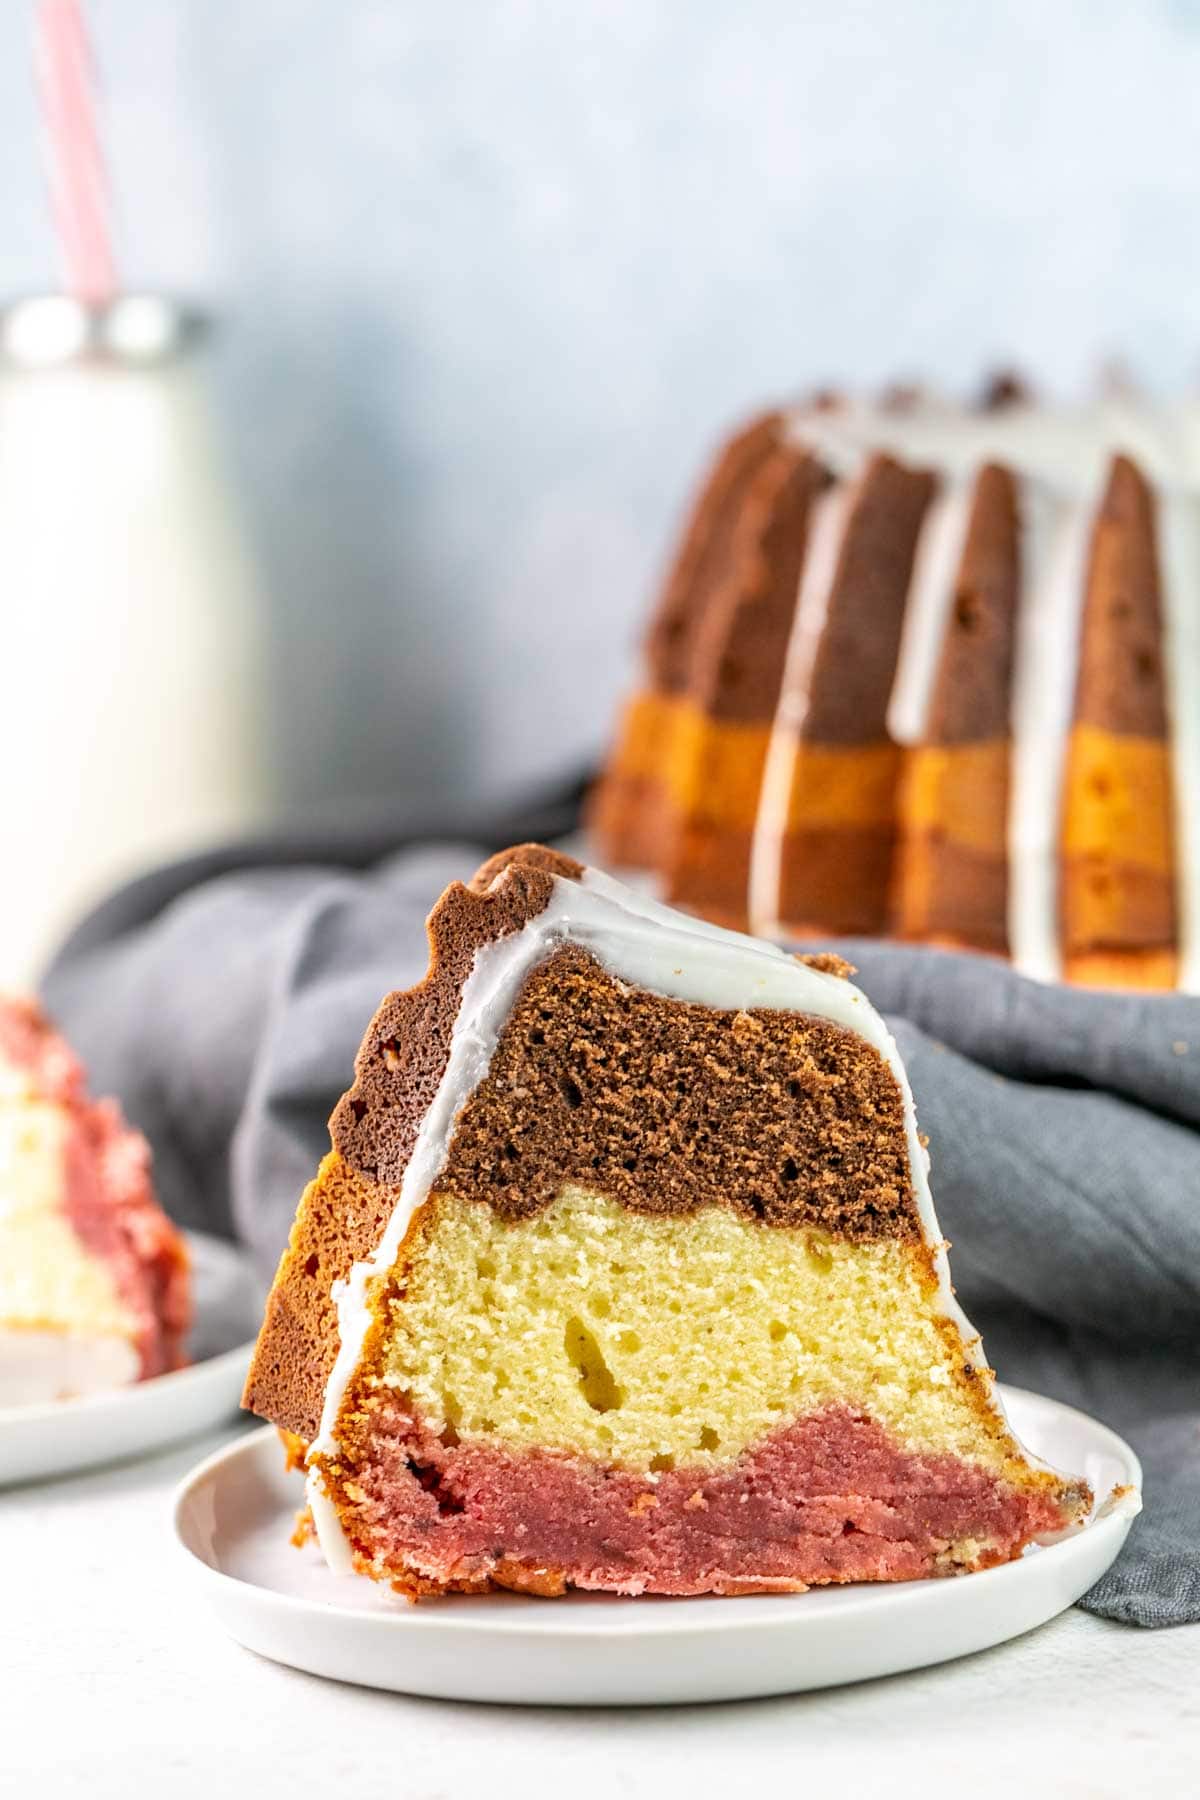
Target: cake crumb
x=304, y=1530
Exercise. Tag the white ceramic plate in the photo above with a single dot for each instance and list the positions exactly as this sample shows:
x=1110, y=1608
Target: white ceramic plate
x=37, y=1442
x=233, y=1516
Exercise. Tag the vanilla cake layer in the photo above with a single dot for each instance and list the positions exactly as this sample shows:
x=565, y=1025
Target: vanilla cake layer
x=648, y=1343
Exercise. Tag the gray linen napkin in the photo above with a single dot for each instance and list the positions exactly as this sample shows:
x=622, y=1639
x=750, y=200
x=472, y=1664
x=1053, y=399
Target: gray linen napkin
x=223, y=1001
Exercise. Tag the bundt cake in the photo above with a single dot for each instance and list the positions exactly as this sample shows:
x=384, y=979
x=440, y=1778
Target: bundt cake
x=933, y=672
x=95, y=1290
x=623, y=1274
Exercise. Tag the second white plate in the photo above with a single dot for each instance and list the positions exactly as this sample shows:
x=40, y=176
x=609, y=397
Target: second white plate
x=38, y=1442
x=234, y=1514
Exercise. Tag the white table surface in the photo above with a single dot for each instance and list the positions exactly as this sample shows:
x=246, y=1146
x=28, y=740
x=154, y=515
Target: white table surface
x=114, y=1681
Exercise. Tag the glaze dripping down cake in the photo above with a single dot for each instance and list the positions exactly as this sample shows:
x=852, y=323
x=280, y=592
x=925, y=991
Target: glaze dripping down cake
x=623, y=1274
x=94, y=1284
x=933, y=673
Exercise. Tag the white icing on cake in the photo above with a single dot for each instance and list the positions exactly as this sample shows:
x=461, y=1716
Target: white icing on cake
x=827, y=528
x=1057, y=537
x=927, y=610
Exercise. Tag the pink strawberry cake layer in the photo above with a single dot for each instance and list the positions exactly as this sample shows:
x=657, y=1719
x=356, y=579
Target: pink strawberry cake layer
x=826, y=1498
x=94, y=1279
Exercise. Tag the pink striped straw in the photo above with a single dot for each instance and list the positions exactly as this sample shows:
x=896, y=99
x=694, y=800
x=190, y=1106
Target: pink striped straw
x=66, y=79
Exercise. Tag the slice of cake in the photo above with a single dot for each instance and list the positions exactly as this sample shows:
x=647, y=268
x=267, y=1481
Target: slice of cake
x=623, y=1274
x=94, y=1286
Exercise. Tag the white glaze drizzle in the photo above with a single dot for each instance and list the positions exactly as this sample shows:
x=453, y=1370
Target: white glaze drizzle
x=1056, y=539
x=648, y=946
x=825, y=534
x=939, y=555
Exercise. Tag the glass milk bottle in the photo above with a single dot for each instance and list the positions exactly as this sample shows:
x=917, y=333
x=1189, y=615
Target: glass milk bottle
x=131, y=707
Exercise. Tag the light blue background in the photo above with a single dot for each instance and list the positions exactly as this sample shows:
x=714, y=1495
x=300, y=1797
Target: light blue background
x=493, y=276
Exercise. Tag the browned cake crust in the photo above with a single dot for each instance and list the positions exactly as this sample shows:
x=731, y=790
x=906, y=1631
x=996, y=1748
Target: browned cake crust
x=972, y=695
x=630, y=809
x=525, y=856
x=736, y=665
x=703, y=557
x=735, y=674
x=1117, y=892
x=1121, y=686
x=951, y=881
x=340, y=1219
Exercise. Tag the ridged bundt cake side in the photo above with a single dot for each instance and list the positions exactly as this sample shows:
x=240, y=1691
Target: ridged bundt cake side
x=982, y=729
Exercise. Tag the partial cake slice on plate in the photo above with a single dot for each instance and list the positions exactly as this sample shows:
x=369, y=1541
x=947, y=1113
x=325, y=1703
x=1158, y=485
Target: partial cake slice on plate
x=94, y=1283
x=623, y=1274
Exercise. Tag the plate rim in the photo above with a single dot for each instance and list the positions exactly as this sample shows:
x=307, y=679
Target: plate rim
x=189, y=1375
x=667, y=1616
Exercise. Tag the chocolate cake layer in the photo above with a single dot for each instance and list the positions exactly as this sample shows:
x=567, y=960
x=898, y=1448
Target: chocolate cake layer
x=667, y=1107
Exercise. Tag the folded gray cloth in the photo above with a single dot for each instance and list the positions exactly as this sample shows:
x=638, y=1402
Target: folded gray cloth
x=223, y=1001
